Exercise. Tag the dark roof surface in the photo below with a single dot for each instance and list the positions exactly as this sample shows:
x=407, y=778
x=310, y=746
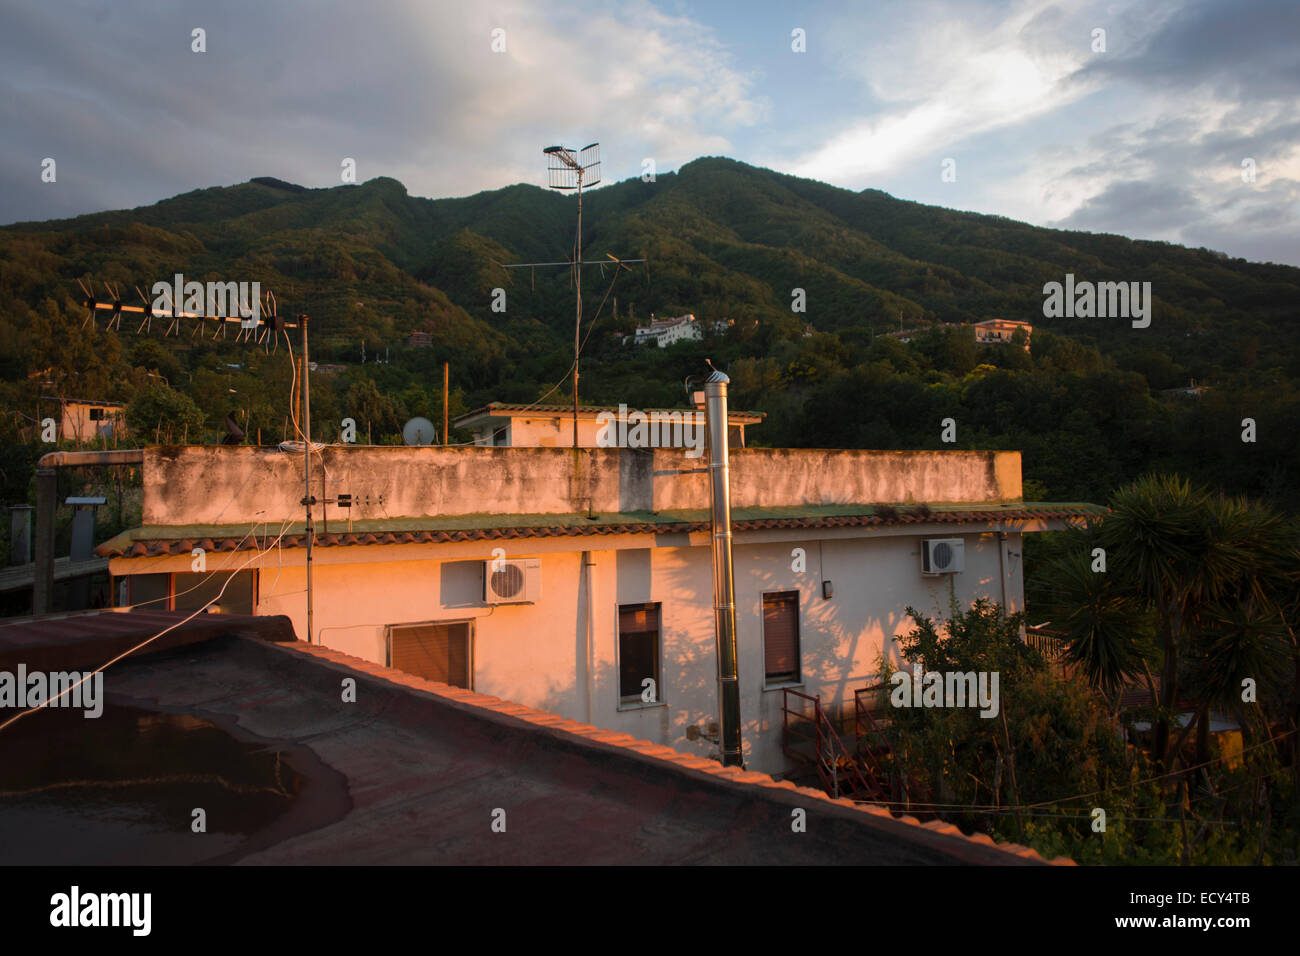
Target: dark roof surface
x=413, y=772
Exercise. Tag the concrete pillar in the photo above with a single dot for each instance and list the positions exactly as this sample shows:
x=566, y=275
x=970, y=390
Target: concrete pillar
x=20, y=534
x=43, y=585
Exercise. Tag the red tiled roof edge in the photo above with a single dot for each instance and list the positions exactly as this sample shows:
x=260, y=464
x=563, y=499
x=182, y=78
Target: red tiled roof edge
x=644, y=748
x=161, y=546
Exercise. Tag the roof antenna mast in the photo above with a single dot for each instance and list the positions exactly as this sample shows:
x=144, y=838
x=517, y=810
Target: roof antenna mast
x=573, y=169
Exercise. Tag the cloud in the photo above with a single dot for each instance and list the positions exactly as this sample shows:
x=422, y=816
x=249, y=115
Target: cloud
x=939, y=78
x=413, y=91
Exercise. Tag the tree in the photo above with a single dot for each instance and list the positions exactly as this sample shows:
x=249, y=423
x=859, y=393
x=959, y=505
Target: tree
x=1049, y=740
x=164, y=414
x=1215, y=576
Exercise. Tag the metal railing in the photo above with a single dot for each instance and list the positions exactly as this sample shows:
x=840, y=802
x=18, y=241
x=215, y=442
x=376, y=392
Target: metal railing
x=839, y=769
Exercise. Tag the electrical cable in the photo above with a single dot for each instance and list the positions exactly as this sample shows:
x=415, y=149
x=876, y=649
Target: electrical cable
x=137, y=647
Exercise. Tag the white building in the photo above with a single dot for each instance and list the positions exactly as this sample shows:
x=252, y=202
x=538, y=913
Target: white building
x=580, y=581
x=83, y=419
x=667, y=331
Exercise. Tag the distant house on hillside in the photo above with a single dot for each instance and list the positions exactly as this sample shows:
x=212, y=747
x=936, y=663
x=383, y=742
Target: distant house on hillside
x=1000, y=331
x=83, y=419
x=665, y=332
x=419, y=340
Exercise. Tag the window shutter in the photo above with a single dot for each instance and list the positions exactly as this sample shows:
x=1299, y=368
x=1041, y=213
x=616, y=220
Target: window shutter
x=438, y=652
x=635, y=620
x=781, y=634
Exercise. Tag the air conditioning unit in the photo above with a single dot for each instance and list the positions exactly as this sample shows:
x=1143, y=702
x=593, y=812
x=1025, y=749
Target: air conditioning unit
x=943, y=555
x=517, y=581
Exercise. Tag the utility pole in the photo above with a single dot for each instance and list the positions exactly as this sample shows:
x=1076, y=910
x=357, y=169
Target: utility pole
x=445, y=379
x=577, y=321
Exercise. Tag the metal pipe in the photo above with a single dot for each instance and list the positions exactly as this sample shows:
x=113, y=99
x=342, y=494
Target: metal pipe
x=577, y=323
x=724, y=584
x=306, y=463
x=47, y=499
x=65, y=459
x=588, y=627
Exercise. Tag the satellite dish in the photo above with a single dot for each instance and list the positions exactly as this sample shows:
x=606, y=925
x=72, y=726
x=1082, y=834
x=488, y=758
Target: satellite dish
x=418, y=431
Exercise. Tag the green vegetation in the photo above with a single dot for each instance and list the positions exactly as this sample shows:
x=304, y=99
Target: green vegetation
x=1056, y=752
x=725, y=240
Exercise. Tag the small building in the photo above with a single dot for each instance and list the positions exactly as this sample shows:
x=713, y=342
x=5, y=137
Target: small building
x=548, y=426
x=83, y=419
x=665, y=332
x=1000, y=331
x=419, y=340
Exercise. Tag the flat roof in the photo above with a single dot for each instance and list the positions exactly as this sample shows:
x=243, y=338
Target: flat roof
x=508, y=410
x=81, y=401
x=413, y=772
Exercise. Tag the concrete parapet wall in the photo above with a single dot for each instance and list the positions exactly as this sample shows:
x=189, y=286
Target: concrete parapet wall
x=207, y=484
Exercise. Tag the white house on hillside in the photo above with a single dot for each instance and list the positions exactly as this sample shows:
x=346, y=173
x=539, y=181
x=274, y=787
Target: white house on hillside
x=665, y=332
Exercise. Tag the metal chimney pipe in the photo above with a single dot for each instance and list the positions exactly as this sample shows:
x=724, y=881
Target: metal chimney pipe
x=724, y=582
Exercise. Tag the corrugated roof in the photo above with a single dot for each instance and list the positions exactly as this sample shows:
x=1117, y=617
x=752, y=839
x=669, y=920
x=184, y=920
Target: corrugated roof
x=157, y=540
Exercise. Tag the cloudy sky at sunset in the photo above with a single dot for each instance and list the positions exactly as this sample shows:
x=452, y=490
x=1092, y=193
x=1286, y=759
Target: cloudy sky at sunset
x=1146, y=139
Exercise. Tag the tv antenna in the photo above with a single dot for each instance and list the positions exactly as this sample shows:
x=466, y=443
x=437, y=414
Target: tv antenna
x=569, y=171
x=256, y=328
x=575, y=169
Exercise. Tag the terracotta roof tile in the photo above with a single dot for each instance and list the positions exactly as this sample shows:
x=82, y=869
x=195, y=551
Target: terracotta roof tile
x=153, y=541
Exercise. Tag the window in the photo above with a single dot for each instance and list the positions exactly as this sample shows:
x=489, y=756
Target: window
x=434, y=651
x=97, y=414
x=153, y=591
x=781, y=637
x=638, y=652
x=188, y=592
x=192, y=591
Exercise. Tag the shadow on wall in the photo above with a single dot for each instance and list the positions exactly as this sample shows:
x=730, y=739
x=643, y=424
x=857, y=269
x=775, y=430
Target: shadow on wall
x=831, y=645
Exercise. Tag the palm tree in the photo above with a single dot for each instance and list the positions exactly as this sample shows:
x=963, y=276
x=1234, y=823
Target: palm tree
x=1216, y=575
x=1107, y=629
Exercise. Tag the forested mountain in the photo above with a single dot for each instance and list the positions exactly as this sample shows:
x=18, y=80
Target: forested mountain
x=1087, y=404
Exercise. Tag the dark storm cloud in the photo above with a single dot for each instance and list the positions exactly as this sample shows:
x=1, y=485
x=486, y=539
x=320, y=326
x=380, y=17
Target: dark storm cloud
x=1232, y=71
x=1235, y=48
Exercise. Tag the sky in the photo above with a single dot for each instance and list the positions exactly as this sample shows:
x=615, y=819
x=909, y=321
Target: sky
x=1176, y=120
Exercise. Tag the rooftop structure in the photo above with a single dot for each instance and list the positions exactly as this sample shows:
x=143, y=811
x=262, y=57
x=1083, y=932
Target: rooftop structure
x=85, y=419
x=543, y=426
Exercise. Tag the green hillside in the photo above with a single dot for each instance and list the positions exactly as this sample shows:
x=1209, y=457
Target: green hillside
x=724, y=240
